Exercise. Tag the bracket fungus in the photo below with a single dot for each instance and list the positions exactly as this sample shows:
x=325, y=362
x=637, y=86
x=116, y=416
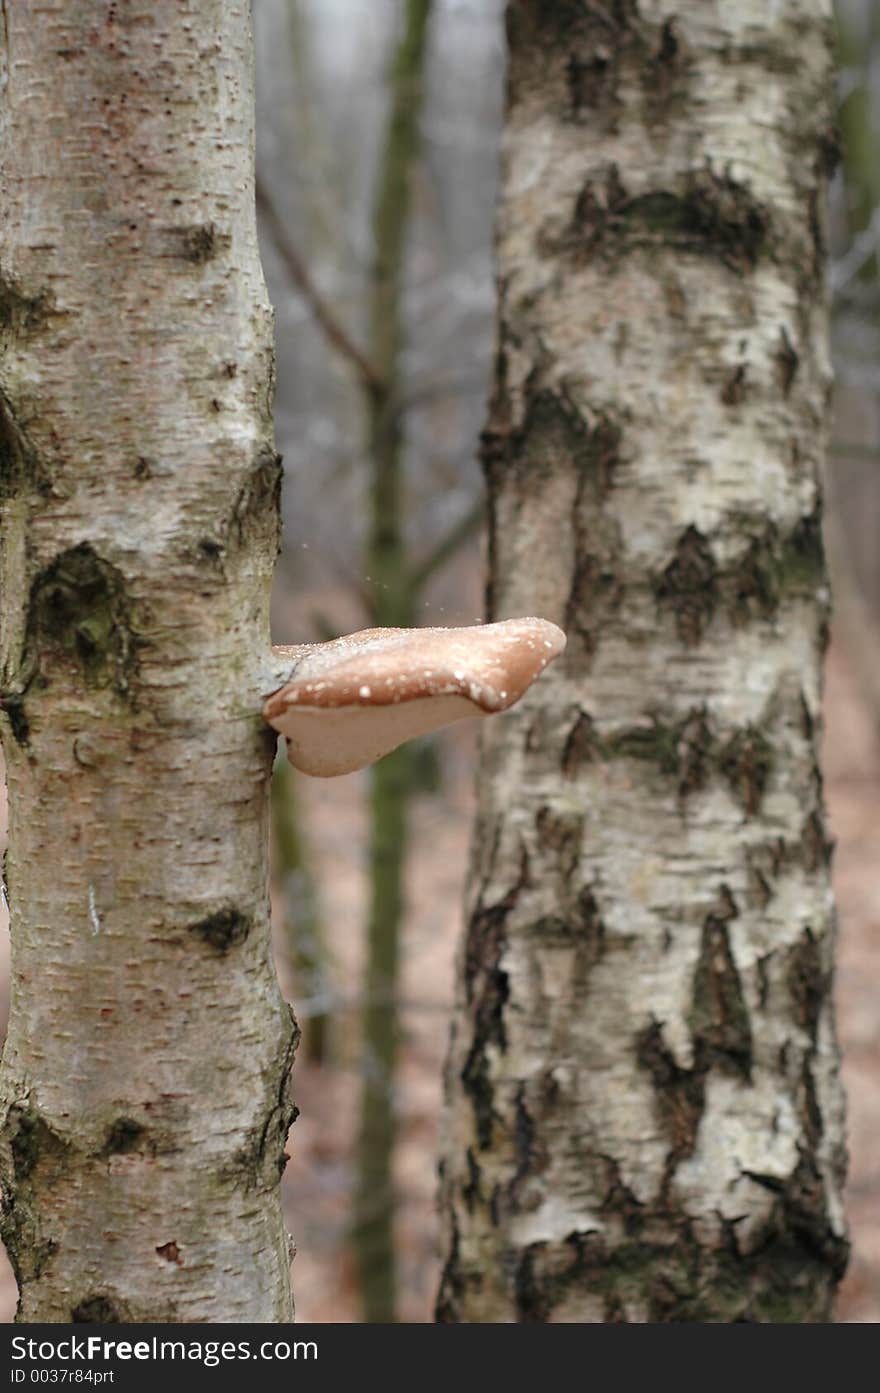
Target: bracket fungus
x=352, y=700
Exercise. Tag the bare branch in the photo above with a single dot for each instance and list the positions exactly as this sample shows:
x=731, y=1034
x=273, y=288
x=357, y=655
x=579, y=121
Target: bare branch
x=429, y=393
x=335, y=334
x=446, y=547
x=854, y=451
x=864, y=246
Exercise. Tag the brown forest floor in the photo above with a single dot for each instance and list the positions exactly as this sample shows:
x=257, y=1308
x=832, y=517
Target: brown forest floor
x=319, y=1176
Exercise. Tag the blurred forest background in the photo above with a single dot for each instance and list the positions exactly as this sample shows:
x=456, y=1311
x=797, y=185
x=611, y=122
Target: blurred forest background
x=378, y=127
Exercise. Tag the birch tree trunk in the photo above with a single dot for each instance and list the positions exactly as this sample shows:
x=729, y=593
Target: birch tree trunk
x=644, y=1113
x=144, y=1085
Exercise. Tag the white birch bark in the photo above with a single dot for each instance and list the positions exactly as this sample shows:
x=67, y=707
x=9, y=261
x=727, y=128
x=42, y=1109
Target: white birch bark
x=644, y=1112
x=144, y=1086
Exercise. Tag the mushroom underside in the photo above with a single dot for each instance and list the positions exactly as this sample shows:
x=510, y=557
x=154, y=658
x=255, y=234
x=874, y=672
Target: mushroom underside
x=326, y=741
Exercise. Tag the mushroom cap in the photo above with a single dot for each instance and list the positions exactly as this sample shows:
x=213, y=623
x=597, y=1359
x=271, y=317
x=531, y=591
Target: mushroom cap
x=354, y=699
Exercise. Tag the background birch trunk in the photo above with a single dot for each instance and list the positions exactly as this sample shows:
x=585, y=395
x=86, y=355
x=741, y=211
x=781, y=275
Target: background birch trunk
x=645, y=1120
x=144, y=1087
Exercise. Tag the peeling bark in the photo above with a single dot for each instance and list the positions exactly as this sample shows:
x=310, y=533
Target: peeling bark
x=644, y=1115
x=145, y=1094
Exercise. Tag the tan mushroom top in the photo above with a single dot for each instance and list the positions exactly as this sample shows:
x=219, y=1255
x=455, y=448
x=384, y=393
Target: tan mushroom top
x=354, y=699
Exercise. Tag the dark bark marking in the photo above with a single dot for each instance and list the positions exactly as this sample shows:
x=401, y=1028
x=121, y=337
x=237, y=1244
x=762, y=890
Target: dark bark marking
x=32, y=1140
x=591, y=82
x=829, y=153
x=99, y=1309
x=524, y=1147
x=487, y=992
x=688, y=751
x=809, y=983
x=33, y=1157
x=12, y=706
x=719, y=1019
x=753, y=588
x=592, y=54
x=495, y=1205
x=774, y=567
x=170, y=1252
x=708, y=215
x=257, y=508
x=653, y=742
x=596, y=590
x=787, y=362
x=198, y=243
x=470, y=1191
x=781, y=1281
x=597, y=453
x=692, y=747
x=590, y=925
x=560, y=834
x=818, y=241
x=20, y=467
x=714, y=215
x=809, y=968
x=681, y=749
x=799, y=1226
x=555, y=22
x=596, y=221
x=817, y=848
x=784, y=1278
x=530, y=1288
x=273, y=1142
x=594, y=598
x=679, y=1095
x=811, y=1113
x=674, y=297
x=21, y=313
x=763, y=973
x=771, y=858
x=555, y=433
x=452, y=1286
x=733, y=392
x=746, y=761
x=689, y=586
x=619, y=1200
x=802, y=562
x=555, y=436
x=538, y=733
x=223, y=930
x=210, y=550
x=262, y=1159
x=80, y=619
x=583, y=929
x=125, y=1134
x=582, y=746
x=808, y=725
x=721, y=1034
x=664, y=77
